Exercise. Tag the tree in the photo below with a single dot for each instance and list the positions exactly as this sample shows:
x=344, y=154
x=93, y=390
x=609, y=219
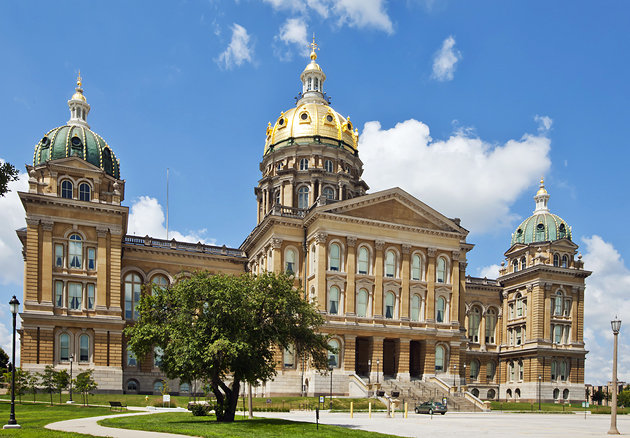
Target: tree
x=62, y=380
x=598, y=396
x=4, y=361
x=30, y=383
x=221, y=328
x=85, y=383
x=8, y=173
x=20, y=382
x=623, y=399
x=47, y=380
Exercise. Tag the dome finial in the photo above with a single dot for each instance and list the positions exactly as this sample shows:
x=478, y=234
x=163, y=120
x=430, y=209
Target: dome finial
x=313, y=47
x=79, y=107
x=542, y=190
x=541, y=198
x=79, y=80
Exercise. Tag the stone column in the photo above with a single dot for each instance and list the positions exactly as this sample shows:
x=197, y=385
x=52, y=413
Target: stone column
x=349, y=353
x=403, y=359
x=529, y=329
x=504, y=320
x=430, y=307
x=574, y=313
x=321, y=239
x=101, y=269
x=351, y=266
x=31, y=268
x=276, y=248
x=462, y=291
x=482, y=331
x=46, y=285
x=115, y=258
x=580, y=317
x=429, y=358
x=377, y=354
x=547, y=312
x=455, y=287
x=404, y=293
x=340, y=189
x=378, y=279
x=455, y=358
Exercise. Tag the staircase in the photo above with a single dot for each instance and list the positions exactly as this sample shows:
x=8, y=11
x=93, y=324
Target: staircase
x=418, y=391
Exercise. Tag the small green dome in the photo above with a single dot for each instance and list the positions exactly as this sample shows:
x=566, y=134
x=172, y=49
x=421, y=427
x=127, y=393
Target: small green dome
x=541, y=227
x=77, y=141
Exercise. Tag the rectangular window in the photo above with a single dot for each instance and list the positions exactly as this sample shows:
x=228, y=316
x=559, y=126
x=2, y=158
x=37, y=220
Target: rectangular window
x=518, y=336
x=74, y=295
x=131, y=358
x=566, y=335
x=90, y=296
x=59, y=255
x=567, y=307
x=511, y=307
x=58, y=293
x=557, y=334
x=91, y=259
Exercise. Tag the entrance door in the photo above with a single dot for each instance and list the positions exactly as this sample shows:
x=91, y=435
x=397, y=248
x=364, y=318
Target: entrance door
x=415, y=365
x=389, y=358
x=361, y=356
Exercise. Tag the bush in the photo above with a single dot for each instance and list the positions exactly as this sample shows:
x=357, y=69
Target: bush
x=200, y=410
x=158, y=403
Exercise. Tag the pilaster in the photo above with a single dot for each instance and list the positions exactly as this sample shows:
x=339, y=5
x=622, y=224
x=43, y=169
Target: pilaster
x=404, y=293
x=351, y=266
x=455, y=287
x=322, y=261
x=47, y=263
x=31, y=265
x=276, y=247
x=378, y=279
x=430, y=307
x=101, y=268
x=349, y=352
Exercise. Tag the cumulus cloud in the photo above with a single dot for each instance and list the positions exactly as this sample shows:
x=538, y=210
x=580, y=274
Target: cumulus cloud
x=147, y=218
x=12, y=217
x=544, y=123
x=607, y=294
x=6, y=332
x=292, y=35
x=238, y=51
x=445, y=60
x=491, y=271
x=462, y=176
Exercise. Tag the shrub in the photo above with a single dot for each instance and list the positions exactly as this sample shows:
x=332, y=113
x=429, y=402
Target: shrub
x=200, y=410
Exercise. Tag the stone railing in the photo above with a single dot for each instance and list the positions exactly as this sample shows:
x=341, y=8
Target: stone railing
x=183, y=246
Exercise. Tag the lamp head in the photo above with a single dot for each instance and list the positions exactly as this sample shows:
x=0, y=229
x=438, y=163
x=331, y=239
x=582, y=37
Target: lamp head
x=616, y=325
x=15, y=305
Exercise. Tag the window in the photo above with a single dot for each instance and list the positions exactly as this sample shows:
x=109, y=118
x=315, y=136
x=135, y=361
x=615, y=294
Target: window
x=415, y=308
x=132, y=385
x=75, y=251
x=313, y=260
x=58, y=293
x=184, y=388
x=565, y=394
x=132, y=295
x=511, y=310
x=328, y=166
x=335, y=257
x=523, y=263
x=279, y=165
x=473, y=324
x=491, y=394
x=518, y=336
x=491, y=323
x=84, y=192
x=441, y=270
x=309, y=84
x=567, y=307
x=304, y=164
x=303, y=197
x=131, y=358
x=440, y=309
x=289, y=262
x=159, y=282
x=563, y=370
x=511, y=370
x=289, y=357
x=158, y=386
x=333, y=300
x=364, y=258
x=565, y=336
x=416, y=264
x=490, y=371
x=557, y=334
x=540, y=232
x=439, y=358
x=554, y=370
x=362, y=302
x=158, y=355
x=316, y=84
x=74, y=295
x=565, y=261
x=90, y=296
x=556, y=260
x=91, y=259
x=556, y=394
x=515, y=265
x=520, y=370
x=328, y=193
x=59, y=255
x=84, y=348
x=558, y=304
x=389, y=305
x=390, y=264
x=474, y=370
x=66, y=189
x=563, y=231
x=519, y=306
x=276, y=197
x=64, y=347
x=333, y=358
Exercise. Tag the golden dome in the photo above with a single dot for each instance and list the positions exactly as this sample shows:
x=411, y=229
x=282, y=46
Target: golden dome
x=79, y=91
x=312, y=66
x=542, y=190
x=314, y=121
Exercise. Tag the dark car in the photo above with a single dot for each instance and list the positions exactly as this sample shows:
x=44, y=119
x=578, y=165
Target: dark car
x=431, y=408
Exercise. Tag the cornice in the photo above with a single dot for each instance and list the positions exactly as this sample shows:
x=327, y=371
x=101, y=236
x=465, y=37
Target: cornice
x=63, y=202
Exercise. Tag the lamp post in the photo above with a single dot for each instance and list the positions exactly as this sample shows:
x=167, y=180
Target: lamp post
x=377, y=363
x=454, y=374
x=12, y=424
x=539, y=382
x=464, y=384
x=332, y=363
x=71, y=360
x=369, y=371
x=616, y=326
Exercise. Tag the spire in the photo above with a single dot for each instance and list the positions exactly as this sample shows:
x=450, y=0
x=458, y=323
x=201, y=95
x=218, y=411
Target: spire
x=312, y=80
x=313, y=47
x=541, y=198
x=79, y=107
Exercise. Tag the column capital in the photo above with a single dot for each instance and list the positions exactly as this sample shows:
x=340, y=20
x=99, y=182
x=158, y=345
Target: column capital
x=431, y=252
x=379, y=244
x=32, y=222
x=102, y=231
x=406, y=249
x=351, y=241
x=47, y=225
x=276, y=243
x=463, y=266
x=455, y=255
x=321, y=237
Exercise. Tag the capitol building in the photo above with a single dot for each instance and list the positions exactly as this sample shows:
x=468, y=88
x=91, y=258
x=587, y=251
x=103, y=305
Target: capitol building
x=387, y=271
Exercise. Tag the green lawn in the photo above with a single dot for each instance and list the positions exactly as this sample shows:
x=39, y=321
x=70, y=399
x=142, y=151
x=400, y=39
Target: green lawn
x=552, y=407
x=187, y=424
x=32, y=418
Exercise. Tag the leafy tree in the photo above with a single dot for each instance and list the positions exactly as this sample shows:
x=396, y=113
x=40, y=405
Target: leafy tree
x=20, y=382
x=623, y=399
x=223, y=329
x=8, y=173
x=30, y=383
x=62, y=381
x=47, y=380
x=85, y=383
x=4, y=361
x=598, y=396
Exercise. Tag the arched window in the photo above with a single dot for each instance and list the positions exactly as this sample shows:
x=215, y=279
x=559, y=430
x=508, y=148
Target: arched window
x=158, y=386
x=556, y=260
x=440, y=358
x=556, y=394
x=511, y=370
x=474, y=370
x=289, y=357
x=133, y=287
x=557, y=310
x=84, y=192
x=364, y=258
x=184, y=388
x=84, y=348
x=362, y=302
x=441, y=270
x=563, y=231
x=554, y=370
x=508, y=393
x=416, y=266
x=517, y=394
x=473, y=324
x=520, y=370
x=515, y=265
x=565, y=261
x=75, y=293
x=64, y=347
x=335, y=257
x=276, y=197
x=540, y=232
x=75, y=251
x=131, y=358
x=303, y=197
x=523, y=263
x=304, y=164
x=309, y=84
x=389, y=305
x=565, y=394
x=475, y=392
x=415, y=308
x=66, y=189
x=333, y=358
x=440, y=309
x=316, y=84
x=491, y=369
x=519, y=306
x=563, y=370
x=328, y=193
x=328, y=166
x=289, y=262
x=132, y=385
x=333, y=300
x=491, y=394
x=159, y=282
x=390, y=264
x=158, y=355
x=491, y=323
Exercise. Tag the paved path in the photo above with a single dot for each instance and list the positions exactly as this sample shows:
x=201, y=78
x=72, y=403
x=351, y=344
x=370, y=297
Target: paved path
x=89, y=426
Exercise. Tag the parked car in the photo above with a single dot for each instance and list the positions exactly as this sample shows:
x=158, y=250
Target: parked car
x=431, y=408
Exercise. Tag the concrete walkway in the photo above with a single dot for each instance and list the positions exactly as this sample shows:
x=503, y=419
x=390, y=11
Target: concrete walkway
x=89, y=426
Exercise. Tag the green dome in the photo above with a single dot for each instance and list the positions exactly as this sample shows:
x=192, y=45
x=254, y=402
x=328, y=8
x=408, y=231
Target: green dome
x=541, y=227
x=77, y=141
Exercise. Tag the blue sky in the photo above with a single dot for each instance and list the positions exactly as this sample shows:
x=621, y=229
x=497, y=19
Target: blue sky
x=463, y=104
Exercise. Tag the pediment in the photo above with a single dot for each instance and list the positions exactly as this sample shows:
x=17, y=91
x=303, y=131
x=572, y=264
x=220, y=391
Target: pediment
x=73, y=162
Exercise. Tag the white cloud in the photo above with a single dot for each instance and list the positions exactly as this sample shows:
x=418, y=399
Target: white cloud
x=292, y=34
x=147, y=218
x=491, y=271
x=463, y=176
x=6, y=332
x=544, y=123
x=445, y=60
x=12, y=217
x=238, y=51
x=607, y=294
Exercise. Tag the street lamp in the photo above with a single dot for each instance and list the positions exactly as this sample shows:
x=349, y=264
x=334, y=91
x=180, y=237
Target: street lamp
x=71, y=360
x=454, y=374
x=377, y=362
x=369, y=371
x=616, y=326
x=539, y=381
x=464, y=384
x=15, y=307
x=332, y=363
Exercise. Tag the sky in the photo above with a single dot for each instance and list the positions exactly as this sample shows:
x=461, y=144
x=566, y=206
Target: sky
x=465, y=105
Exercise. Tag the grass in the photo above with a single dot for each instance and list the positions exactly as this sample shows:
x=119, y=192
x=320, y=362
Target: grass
x=33, y=418
x=187, y=424
x=552, y=407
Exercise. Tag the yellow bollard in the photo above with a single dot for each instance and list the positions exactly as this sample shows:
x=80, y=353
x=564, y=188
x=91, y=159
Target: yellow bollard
x=370, y=410
x=351, y=409
x=405, y=409
x=393, y=409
